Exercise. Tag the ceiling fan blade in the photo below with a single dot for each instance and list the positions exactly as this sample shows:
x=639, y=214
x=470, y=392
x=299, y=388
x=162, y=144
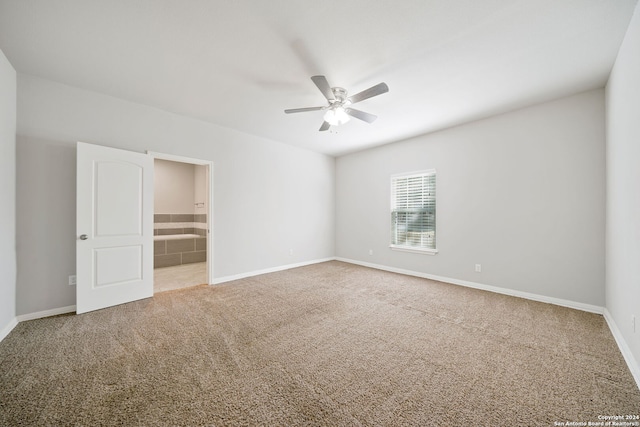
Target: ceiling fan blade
x=323, y=85
x=378, y=89
x=369, y=118
x=302, y=110
x=325, y=126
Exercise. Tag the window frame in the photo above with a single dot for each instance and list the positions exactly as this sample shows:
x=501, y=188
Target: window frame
x=407, y=248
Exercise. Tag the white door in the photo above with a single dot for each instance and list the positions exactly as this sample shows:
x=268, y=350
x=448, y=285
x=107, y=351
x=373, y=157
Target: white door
x=114, y=217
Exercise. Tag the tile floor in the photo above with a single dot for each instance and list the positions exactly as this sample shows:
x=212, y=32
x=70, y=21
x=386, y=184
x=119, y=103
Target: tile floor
x=179, y=276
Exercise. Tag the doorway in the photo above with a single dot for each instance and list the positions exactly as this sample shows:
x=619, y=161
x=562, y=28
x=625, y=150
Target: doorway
x=115, y=225
x=182, y=222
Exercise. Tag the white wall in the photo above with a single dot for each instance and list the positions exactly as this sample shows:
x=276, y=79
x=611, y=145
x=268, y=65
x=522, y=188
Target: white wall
x=7, y=195
x=268, y=197
x=521, y=193
x=174, y=187
x=623, y=190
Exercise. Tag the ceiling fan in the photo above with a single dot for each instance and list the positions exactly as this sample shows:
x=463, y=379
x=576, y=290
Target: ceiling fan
x=339, y=111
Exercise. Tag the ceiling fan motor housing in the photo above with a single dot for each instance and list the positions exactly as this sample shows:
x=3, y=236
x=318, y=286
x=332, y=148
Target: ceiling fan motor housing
x=340, y=94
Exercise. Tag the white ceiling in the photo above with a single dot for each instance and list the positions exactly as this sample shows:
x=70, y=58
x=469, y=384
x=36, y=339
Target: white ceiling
x=240, y=63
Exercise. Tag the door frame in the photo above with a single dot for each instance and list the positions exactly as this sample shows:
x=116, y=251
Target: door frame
x=209, y=164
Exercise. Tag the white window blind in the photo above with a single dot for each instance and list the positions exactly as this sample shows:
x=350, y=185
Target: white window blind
x=413, y=211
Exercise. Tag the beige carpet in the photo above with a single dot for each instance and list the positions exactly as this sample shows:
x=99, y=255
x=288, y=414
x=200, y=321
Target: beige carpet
x=331, y=344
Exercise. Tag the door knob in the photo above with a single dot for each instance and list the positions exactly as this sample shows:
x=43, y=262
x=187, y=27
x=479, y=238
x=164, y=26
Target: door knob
x=83, y=237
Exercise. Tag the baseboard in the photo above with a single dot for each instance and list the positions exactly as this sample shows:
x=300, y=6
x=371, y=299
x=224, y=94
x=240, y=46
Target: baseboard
x=224, y=279
x=526, y=295
x=8, y=328
x=47, y=313
x=633, y=364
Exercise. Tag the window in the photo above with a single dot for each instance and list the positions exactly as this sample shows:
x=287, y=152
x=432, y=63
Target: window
x=413, y=212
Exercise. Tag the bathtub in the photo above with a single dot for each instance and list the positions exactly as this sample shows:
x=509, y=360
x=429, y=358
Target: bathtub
x=176, y=249
x=176, y=236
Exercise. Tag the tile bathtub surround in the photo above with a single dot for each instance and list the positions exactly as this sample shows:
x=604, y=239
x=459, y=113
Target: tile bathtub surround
x=191, y=257
x=168, y=260
x=166, y=231
x=161, y=218
x=180, y=224
x=172, y=252
x=201, y=244
x=182, y=258
x=180, y=218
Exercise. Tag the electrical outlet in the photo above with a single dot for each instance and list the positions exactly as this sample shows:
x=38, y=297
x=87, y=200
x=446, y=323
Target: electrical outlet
x=72, y=280
x=290, y=251
x=633, y=323
x=370, y=251
x=478, y=268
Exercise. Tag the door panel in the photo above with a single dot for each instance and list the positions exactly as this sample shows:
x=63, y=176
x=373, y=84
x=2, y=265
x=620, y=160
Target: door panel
x=118, y=265
x=118, y=213
x=114, y=250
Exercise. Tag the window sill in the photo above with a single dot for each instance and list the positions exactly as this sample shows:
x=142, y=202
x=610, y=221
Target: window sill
x=413, y=250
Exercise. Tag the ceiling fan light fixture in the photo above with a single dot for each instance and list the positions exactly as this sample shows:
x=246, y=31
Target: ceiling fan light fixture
x=339, y=110
x=336, y=116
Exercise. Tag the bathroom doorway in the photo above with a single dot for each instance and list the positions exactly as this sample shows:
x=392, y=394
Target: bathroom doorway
x=183, y=198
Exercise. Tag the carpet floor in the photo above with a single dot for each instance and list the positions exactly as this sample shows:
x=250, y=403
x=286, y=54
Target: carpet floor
x=330, y=344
